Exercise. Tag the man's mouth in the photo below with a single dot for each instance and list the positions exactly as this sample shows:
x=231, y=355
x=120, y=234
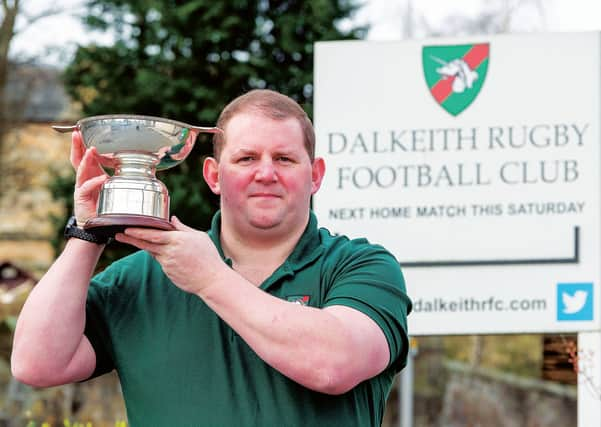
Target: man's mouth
x=265, y=195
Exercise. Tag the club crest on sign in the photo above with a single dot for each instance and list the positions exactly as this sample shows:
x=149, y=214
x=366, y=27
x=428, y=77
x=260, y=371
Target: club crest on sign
x=455, y=74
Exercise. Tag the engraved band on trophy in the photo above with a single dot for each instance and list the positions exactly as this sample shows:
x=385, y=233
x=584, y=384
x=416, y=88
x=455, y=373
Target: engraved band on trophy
x=135, y=147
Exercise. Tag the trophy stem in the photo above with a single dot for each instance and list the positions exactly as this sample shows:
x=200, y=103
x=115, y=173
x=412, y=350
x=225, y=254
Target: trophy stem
x=134, y=189
x=132, y=197
x=136, y=164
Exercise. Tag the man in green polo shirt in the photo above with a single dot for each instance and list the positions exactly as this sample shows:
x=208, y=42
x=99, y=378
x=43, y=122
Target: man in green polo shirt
x=265, y=320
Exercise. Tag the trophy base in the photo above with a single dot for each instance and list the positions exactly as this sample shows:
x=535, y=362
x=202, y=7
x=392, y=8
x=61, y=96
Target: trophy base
x=108, y=225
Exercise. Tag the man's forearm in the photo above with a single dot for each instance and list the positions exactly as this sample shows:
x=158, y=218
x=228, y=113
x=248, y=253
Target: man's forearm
x=314, y=347
x=50, y=326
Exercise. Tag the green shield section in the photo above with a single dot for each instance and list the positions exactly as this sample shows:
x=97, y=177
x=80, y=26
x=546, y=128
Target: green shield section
x=434, y=57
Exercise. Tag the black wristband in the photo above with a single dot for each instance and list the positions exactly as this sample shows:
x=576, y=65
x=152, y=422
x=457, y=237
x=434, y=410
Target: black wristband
x=72, y=230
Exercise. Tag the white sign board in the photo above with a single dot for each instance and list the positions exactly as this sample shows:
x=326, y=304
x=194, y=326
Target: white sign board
x=476, y=162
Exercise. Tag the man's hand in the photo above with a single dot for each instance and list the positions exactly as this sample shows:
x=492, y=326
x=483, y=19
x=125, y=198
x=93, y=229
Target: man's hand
x=188, y=256
x=88, y=181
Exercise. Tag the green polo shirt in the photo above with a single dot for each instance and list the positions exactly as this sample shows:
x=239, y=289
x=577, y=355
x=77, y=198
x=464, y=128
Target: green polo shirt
x=180, y=365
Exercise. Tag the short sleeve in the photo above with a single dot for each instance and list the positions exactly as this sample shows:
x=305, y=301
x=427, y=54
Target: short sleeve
x=96, y=329
x=369, y=279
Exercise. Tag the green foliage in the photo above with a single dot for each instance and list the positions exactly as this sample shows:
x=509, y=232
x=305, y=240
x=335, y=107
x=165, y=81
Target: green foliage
x=186, y=59
x=11, y=323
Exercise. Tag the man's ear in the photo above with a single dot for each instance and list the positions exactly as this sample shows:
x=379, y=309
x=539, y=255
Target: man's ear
x=317, y=173
x=210, y=172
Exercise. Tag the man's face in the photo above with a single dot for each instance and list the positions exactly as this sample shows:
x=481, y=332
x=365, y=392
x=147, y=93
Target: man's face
x=264, y=175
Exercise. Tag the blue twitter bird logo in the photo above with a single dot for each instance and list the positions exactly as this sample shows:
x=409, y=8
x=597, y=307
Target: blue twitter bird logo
x=574, y=301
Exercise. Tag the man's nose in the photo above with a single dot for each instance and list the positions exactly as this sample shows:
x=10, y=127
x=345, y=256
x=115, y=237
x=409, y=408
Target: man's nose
x=266, y=171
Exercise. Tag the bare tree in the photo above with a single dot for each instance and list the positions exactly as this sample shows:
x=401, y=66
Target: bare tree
x=12, y=106
x=7, y=32
x=497, y=17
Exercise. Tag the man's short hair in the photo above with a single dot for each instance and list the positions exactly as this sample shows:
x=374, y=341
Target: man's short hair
x=270, y=103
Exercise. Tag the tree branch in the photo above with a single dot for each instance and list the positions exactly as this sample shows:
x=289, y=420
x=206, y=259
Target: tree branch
x=44, y=14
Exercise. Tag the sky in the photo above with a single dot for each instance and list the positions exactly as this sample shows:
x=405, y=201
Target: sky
x=558, y=15
x=63, y=31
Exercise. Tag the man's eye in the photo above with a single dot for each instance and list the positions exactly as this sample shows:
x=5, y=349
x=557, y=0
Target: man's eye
x=245, y=159
x=284, y=159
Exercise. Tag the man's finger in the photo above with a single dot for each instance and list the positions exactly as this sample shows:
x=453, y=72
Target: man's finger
x=157, y=237
x=152, y=248
x=180, y=226
x=92, y=185
x=77, y=149
x=88, y=167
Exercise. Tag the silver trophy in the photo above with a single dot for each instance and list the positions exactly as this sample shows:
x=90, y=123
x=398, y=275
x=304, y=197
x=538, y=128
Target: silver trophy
x=134, y=148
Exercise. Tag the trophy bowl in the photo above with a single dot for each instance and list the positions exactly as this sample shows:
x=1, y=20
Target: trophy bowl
x=134, y=147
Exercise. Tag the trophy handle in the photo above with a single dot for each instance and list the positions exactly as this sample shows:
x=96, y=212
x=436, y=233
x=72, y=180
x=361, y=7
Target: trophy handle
x=65, y=129
x=206, y=129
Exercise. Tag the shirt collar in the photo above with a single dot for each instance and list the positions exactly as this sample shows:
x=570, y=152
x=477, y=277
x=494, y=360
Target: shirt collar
x=306, y=250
